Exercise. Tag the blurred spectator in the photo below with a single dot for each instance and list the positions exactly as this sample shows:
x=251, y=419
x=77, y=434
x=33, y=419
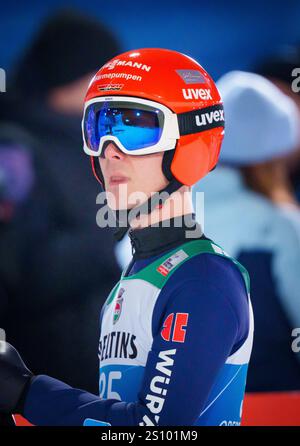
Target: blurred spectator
x=251, y=211
x=67, y=264
x=16, y=171
x=280, y=69
x=16, y=181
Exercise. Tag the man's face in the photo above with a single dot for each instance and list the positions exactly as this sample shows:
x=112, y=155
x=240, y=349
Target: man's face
x=125, y=175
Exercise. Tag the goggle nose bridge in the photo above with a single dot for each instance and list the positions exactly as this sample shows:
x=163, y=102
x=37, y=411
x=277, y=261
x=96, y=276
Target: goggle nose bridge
x=105, y=141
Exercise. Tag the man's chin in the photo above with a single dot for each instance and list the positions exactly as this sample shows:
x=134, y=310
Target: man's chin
x=118, y=205
x=114, y=200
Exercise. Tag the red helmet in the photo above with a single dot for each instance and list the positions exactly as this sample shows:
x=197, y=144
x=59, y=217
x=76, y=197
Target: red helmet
x=179, y=83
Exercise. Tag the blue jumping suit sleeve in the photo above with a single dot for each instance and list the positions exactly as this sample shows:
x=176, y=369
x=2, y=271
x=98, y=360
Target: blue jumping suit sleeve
x=198, y=321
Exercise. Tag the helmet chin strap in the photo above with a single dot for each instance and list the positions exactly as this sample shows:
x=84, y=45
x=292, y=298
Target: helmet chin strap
x=124, y=217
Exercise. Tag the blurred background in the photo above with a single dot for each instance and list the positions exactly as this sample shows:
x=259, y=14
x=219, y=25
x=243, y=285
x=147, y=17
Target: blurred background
x=240, y=34
x=56, y=266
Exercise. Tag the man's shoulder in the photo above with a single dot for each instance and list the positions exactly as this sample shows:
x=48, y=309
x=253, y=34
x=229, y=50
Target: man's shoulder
x=210, y=277
x=214, y=267
x=206, y=284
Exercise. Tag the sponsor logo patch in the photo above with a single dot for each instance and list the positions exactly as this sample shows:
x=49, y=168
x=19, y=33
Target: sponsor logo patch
x=171, y=262
x=110, y=87
x=118, y=306
x=191, y=76
x=177, y=331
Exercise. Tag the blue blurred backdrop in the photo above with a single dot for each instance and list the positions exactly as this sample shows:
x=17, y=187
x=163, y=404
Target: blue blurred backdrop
x=222, y=35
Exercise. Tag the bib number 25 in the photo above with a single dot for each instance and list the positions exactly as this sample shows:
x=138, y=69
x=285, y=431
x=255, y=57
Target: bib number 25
x=106, y=385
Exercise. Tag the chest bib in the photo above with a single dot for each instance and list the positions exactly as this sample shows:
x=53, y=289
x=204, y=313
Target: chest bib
x=126, y=334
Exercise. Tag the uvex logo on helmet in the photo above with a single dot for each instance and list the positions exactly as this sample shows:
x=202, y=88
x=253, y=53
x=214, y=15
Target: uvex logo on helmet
x=209, y=118
x=197, y=93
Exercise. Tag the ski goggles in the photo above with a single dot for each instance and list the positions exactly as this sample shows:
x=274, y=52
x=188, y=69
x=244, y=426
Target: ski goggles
x=139, y=126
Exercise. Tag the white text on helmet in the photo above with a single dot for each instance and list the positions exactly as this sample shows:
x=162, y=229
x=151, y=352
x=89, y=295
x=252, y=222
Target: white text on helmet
x=209, y=118
x=196, y=93
x=124, y=63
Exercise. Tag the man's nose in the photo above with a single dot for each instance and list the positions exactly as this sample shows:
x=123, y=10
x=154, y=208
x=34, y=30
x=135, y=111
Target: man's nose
x=111, y=151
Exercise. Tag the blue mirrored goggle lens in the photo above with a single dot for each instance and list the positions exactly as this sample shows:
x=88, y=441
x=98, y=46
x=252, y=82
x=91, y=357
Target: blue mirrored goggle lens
x=136, y=126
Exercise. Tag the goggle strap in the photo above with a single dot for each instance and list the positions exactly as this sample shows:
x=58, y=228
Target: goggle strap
x=197, y=121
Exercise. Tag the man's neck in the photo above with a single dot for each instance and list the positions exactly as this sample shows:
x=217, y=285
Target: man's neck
x=154, y=240
x=179, y=204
